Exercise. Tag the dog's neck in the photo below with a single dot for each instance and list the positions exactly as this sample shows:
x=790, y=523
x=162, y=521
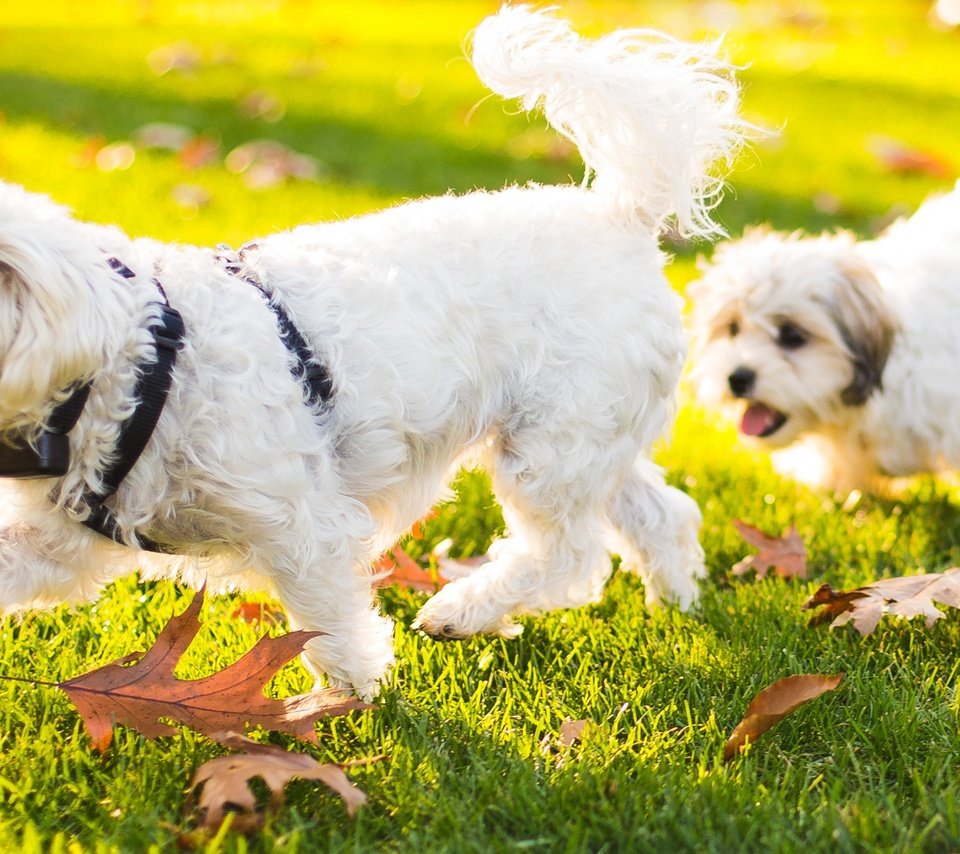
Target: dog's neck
x=129, y=305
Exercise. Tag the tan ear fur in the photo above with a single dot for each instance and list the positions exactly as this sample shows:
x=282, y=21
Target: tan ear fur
x=866, y=326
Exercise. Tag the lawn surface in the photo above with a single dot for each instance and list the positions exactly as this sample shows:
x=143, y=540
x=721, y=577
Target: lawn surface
x=379, y=94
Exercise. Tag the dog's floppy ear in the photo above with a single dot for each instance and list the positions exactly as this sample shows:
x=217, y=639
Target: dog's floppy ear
x=33, y=328
x=866, y=326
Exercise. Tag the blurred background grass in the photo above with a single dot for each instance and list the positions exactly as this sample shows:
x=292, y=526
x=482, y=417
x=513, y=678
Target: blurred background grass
x=378, y=99
x=381, y=96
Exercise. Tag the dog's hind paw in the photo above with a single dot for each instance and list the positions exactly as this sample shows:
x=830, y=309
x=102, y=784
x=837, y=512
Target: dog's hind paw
x=448, y=617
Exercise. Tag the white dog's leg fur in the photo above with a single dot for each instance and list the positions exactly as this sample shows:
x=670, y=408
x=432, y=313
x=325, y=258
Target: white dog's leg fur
x=553, y=487
x=655, y=529
x=45, y=563
x=559, y=524
x=356, y=646
x=316, y=551
x=29, y=577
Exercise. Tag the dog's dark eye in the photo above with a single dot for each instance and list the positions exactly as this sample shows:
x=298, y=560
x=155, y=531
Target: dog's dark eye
x=791, y=337
x=733, y=328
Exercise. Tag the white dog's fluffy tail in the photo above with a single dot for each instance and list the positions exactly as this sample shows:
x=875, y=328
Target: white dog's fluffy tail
x=652, y=117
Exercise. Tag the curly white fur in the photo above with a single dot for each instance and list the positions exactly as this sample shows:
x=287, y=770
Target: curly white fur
x=531, y=327
x=872, y=391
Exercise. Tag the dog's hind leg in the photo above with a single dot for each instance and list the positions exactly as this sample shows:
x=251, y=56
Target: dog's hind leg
x=554, y=503
x=655, y=530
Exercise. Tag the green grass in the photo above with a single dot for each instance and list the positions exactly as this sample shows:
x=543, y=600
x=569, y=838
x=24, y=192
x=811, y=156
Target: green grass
x=392, y=111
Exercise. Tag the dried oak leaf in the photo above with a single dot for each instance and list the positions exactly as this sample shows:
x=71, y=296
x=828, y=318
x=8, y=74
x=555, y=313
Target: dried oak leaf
x=787, y=555
x=224, y=782
x=142, y=693
x=397, y=567
x=259, y=613
x=416, y=529
x=774, y=703
x=904, y=596
x=199, y=151
x=163, y=135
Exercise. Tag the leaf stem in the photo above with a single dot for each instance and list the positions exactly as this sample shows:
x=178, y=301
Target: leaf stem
x=43, y=682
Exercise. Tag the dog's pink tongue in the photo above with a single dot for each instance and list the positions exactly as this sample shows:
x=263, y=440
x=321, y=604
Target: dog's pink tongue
x=757, y=419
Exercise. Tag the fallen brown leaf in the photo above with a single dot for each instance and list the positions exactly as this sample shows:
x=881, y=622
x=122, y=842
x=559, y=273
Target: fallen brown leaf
x=571, y=731
x=555, y=744
x=416, y=529
x=198, y=151
x=115, y=157
x=259, y=613
x=787, y=555
x=903, y=159
x=903, y=596
x=163, y=135
x=87, y=155
x=142, y=693
x=190, y=197
x=265, y=163
x=261, y=105
x=181, y=56
x=224, y=782
x=401, y=569
x=774, y=703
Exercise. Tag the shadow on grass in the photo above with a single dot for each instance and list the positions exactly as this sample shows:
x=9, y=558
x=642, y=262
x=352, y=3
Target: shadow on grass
x=395, y=158
x=393, y=155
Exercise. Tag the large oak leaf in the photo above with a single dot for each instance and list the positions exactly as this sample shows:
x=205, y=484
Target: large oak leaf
x=142, y=693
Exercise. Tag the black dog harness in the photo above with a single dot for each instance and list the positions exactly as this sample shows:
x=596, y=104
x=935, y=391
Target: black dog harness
x=307, y=369
x=49, y=454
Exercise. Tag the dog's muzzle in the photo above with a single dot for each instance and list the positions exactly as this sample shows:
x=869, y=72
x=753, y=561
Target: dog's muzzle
x=742, y=381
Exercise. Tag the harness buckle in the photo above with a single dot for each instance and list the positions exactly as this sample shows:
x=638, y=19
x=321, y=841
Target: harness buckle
x=50, y=457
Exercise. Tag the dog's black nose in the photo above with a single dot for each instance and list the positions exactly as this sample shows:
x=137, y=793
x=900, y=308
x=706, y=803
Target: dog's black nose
x=741, y=381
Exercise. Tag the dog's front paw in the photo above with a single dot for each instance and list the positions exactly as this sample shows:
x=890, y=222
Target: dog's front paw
x=366, y=691
x=360, y=659
x=676, y=582
x=681, y=591
x=456, y=612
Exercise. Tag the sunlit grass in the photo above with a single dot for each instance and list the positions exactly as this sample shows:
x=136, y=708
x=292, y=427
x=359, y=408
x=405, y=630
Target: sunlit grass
x=379, y=94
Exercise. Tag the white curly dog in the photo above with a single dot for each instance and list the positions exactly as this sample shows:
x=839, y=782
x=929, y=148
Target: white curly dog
x=840, y=356
x=532, y=328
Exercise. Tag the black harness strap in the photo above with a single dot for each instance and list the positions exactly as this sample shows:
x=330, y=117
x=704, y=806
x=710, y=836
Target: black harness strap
x=307, y=370
x=153, y=386
x=49, y=456
x=151, y=391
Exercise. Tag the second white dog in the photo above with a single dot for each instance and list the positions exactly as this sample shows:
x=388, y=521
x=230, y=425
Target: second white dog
x=844, y=353
x=531, y=328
